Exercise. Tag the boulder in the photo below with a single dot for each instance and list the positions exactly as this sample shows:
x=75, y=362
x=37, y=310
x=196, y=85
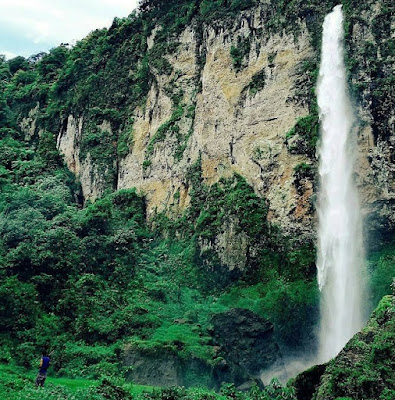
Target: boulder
x=247, y=345
x=165, y=369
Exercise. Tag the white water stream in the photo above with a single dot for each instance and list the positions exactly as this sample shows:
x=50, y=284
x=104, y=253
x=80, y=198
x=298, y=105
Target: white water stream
x=340, y=261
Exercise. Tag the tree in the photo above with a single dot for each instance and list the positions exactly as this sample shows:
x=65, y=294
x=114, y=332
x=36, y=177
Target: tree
x=18, y=63
x=18, y=305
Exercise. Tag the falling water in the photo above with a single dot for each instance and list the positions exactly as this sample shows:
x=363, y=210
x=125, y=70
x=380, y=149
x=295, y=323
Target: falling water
x=340, y=251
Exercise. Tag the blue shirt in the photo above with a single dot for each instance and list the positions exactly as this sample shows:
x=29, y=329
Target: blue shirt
x=45, y=365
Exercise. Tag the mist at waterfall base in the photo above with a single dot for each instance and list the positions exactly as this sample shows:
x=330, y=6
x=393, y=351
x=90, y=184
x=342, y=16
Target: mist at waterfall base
x=340, y=262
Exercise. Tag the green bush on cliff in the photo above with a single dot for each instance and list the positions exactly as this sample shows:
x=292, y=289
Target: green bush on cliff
x=307, y=130
x=240, y=53
x=163, y=130
x=382, y=271
x=257, y=83
x=125, y=140
x=223, y=9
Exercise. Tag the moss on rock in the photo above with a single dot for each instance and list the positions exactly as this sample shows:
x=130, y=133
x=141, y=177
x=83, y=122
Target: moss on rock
x=364, y=369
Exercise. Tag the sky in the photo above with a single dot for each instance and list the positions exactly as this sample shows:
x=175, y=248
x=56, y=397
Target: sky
x=28, y=27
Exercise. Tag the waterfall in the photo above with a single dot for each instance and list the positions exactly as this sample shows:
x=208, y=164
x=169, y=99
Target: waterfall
x=340, y=260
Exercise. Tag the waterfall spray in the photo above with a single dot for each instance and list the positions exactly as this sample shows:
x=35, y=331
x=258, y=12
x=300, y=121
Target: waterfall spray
x=340, y=260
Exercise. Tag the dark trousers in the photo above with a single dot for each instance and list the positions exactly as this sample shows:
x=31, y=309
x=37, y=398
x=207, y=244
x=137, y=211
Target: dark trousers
x=40, y=380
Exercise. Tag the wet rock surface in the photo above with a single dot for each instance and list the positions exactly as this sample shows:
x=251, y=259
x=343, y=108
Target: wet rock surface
x=246, y=342
x=307, y=382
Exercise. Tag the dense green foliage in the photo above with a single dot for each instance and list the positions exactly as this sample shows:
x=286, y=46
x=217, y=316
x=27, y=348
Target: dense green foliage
x=87, y=281
x=381, y=266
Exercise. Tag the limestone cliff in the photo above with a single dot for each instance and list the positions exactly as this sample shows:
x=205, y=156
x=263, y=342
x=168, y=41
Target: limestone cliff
x=236, y=94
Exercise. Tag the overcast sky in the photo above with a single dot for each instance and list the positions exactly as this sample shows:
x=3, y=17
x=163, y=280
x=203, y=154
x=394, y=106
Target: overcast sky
x=30, y=26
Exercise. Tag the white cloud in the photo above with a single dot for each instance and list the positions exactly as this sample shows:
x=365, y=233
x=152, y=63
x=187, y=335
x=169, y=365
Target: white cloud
x=51, y=22
x=8, y=54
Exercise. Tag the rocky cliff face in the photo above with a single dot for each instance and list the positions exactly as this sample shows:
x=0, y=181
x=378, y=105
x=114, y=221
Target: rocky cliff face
x=370, y=32
x=233, y=127
x=91, y=176
x=235, y=114
x=239, y=96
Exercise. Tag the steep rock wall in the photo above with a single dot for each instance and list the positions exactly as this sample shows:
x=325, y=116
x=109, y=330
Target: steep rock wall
x=233, y=129
x=235, y=115
x=90, y=176
x=370, y=34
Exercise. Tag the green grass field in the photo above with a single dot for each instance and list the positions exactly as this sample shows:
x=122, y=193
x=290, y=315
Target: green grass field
x=18, y=384
x=71, y=384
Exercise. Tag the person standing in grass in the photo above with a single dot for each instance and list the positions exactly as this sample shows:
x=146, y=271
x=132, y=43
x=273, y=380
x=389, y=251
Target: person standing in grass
x=42, y=372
